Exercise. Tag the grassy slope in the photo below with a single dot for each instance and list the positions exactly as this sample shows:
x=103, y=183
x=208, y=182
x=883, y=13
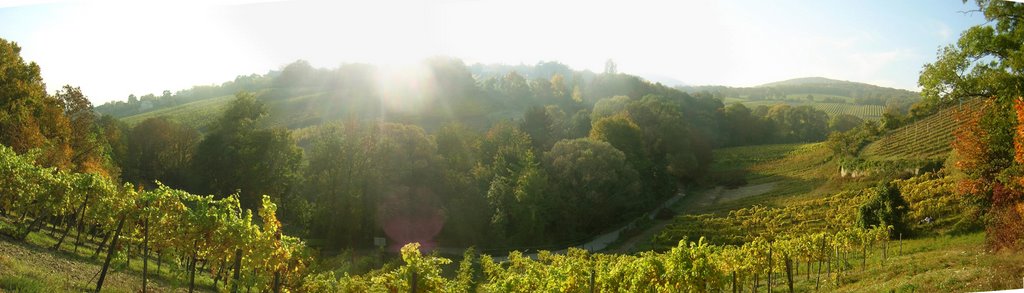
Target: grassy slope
x=799, y=171
x=195, y=114
x=939, y=264
x=30, y=266
x=200, y=114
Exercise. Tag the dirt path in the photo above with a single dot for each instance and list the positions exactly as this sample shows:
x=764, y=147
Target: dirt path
x=705, y=199
x=722, y=195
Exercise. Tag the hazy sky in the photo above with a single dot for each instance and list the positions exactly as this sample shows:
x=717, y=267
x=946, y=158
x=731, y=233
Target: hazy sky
x=115, y=48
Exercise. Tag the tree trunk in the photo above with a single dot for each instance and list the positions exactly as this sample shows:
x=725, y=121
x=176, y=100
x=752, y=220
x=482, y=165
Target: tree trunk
x=817, y=277
x=238, y=269
x=789, y=273
x=67, y=229
x=248, y=285
x=901, y=244
x=110, y=254
x=78, y=235
x=51, y=228
x=128, y=255
x=770, y=268
x=30, y=227
x=192, y=268
x=733, y=281
x=413, y=282
x=159, y=260
x=864, y=259
x=808, y=265
x=100, y=246
x=80, y=215
x=828, y=265
x=277, y=273
x=796, y=267
x=838, y=268
x=755, y=283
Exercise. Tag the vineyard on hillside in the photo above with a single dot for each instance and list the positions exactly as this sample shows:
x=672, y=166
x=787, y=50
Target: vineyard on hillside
x=866, y=112
x=202, y=234
x=927, y=139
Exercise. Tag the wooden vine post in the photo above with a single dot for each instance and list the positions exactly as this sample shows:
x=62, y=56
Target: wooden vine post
x=769, y=267
x=110, y=254
x=789, y=273
x=145, y=253
x=277, y=273
x=237, y=273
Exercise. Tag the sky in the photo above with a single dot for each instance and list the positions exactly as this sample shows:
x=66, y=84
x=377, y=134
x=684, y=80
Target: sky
x=115, y=48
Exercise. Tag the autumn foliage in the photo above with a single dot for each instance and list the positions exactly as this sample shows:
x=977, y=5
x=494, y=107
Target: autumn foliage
x=970, y=147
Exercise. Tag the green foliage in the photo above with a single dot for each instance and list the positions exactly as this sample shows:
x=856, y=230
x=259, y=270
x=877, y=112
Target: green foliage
x=237, y=155
x=844, y=122
x=744, y=128
x=984, y=62
x=798, y=124
x=594, y=184
x=886, y=207
x=624, y=135
x=541, y=128
x=469, y=272
x=608, y=107
x=159, y=149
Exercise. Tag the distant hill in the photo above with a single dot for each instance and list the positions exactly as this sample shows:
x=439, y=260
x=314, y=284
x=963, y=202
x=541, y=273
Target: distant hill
x=808, y=80
x=838, y=87
x=833, y=96
x=819, y=86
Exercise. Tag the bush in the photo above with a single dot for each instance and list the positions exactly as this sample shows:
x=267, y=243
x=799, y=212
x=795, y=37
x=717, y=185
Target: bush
x=885, y=208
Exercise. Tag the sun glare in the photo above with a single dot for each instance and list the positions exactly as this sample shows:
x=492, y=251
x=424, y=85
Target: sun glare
x=406, y=88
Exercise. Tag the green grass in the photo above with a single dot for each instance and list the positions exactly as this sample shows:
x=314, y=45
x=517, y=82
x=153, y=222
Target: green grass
x=745, y=156
x=22, y=284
